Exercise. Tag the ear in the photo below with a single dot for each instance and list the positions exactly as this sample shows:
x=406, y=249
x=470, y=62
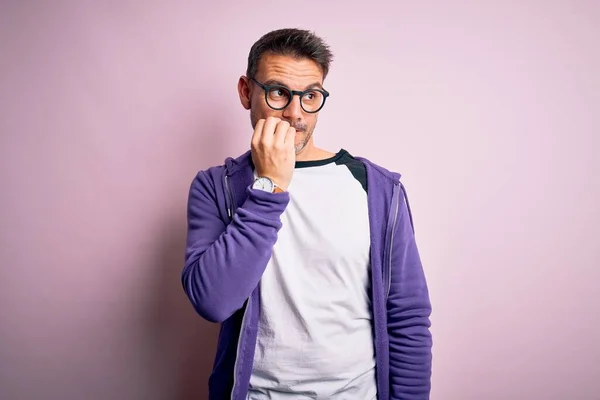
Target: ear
x=244, y=92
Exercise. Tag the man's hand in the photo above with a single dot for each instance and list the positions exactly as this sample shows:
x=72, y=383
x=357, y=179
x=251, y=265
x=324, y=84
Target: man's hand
x=274, y=151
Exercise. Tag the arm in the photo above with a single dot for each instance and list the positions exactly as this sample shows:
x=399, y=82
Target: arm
x=224, y=263
x=409, y=309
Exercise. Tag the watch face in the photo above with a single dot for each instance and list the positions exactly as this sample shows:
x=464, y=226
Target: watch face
x=264, y=184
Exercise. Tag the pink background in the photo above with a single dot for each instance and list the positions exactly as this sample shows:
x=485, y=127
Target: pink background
x=491, y=110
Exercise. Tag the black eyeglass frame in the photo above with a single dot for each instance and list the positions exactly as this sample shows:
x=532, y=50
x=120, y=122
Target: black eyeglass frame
x=267, y=88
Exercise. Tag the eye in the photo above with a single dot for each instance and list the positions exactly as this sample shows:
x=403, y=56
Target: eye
x=278, y=93
x=312, y=96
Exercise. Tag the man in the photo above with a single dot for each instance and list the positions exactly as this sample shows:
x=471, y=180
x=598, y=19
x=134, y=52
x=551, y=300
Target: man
x=306, y=257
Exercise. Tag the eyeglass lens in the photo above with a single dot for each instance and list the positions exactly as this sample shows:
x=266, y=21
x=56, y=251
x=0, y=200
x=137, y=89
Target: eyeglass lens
x=280, y=97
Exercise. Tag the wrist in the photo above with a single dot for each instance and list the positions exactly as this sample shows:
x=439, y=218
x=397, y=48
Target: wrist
x=268, y=184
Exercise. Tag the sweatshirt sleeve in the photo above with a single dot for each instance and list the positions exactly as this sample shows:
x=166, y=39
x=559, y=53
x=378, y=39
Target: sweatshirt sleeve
x=225, y=262
x=409, y=311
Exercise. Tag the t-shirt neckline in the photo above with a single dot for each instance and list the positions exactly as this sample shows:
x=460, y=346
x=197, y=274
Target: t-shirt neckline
x=319, y=163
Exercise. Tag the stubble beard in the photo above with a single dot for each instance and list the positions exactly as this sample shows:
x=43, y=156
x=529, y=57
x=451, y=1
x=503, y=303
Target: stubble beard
x=300, y=146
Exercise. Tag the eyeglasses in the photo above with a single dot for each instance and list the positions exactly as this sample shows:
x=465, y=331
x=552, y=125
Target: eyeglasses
x=279, y=97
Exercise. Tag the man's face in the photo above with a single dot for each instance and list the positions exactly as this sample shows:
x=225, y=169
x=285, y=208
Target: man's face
x=295, y=74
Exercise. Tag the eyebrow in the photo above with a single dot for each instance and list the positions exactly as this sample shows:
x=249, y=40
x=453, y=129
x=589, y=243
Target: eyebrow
x=276, y=82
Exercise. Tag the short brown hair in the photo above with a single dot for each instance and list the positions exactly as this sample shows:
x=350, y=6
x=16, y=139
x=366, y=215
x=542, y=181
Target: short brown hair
x=296, y=43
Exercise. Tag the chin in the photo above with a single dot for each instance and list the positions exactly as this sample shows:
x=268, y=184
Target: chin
x=302, y=141
x=300, y=147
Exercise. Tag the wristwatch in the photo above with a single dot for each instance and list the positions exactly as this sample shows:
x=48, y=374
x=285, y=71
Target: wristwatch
x=266, y=184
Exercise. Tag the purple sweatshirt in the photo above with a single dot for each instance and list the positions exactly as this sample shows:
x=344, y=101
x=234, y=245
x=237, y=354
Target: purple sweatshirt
x=231, y=232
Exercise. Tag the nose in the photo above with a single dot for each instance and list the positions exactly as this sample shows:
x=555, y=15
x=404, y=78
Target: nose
x=293, y=111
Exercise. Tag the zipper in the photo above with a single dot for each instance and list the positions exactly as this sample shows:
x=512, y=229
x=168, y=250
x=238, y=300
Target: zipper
x=387, y=273
x=230, y=205
x=230, y=211
x=239, y=346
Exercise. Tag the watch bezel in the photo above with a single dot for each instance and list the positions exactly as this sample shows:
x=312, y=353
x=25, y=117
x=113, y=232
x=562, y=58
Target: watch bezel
x=264, y=183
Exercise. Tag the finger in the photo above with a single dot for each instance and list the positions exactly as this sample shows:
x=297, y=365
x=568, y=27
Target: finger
x=258, y=128
x=269, y=130
x=280, y=133
x=290, y=137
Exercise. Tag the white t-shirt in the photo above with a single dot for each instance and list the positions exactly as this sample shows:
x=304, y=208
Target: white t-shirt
x=315, y=334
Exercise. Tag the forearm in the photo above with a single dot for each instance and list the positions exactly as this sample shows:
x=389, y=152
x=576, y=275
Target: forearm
x=220, y=274
x=410, y=351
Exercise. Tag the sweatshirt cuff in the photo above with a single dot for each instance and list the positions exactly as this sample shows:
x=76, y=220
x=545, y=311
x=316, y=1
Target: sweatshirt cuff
x=268, y=205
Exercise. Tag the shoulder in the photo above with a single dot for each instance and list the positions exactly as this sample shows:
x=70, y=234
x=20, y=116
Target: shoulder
x=230, y=165
x=377, y=170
